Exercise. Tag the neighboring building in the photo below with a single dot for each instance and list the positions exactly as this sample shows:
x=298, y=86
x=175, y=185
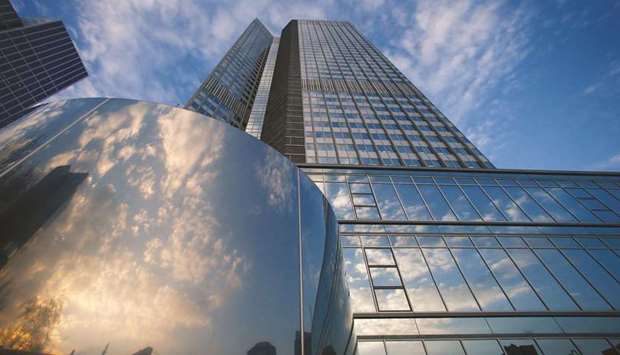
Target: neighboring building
x=228, y=93
x=37, y=60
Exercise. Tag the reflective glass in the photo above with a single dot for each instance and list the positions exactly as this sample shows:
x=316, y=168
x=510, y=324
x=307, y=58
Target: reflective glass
x=485, y=242
x=379, y=257
x=596, y=275
x=430, y=241
x=557, y=347
x=516, y=325
x=458, y=242
x=505, y=204
x=404, y=348
x=608, y=199
x=388, y=203
x=572, y=281
x=403, y=241
x=593, y=346
x=540, y=242
x=418, y=281
x=485, y=288
x=565, y=243
x=572, y=205
x=360, y=188
x=384, y=276
x=350, y=241
x=367, y=213
x=391, y=300
x=380, y=327
x=558, y=212
x=528, y=205
x=338, y=196
x=357, y=278
x=443, y=347
x=511, y=242
x=370, y=348
x=545, y=285
x=519, y=347
x=451, y=285
x=375, y=241
x=413, y=203
x=482, y=202
x=363, y=200
x=436, y=203
x=607, y=325
x=461, y=206
x=609, y=260
x=452, y=326
x=591, y=243
x=482, y=347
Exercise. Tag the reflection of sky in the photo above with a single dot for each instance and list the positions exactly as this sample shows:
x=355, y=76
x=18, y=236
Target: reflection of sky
x=150, y=250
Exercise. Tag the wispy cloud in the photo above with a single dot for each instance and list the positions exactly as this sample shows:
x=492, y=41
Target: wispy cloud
x=611, y=163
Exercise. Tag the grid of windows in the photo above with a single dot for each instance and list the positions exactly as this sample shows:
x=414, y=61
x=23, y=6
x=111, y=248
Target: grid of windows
x=359, y=109
x=257, y=115
x=228, y=93
x=469, y=346
x=36, y=61
x=488, y=198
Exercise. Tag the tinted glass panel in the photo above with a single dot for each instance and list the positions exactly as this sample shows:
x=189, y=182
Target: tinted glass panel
x=527, y=204
x=505, y=204
x=391, y=300
x=388, y=203
x=519, y=347
x=379, y=257
x=608, y=199
x=593, y=346
x=418, y=281
x=383, y=276
x=482, y=347
x=572, y=205
x=405, y=348
x=359, y=285
x=461, y=206
x=597, y=276
x=414, y=206
x=482, y=202
x=443, y=347
x=338, y=196
x=609, y=260
x=437, y=204
x=453, y=288
x=549, y=290
x=370, y=348
x=558, y=212
x=557, y=346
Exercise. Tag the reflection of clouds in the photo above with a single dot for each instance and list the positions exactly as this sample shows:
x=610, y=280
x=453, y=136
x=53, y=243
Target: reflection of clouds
x=380, y=327
x=418, y=282
x=274, y=174
x=451, y=285
x=357, y=279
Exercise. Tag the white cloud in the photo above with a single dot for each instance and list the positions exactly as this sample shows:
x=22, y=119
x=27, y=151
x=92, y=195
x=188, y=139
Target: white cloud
x=611, y=163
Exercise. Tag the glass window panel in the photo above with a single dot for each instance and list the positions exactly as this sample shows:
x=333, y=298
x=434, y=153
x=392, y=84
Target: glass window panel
x=338, y=196
x=458, y=242
x=388, y=203
x=570, y=203
x=380, y=327
x=451, y=326
x=557, y=346
x=485, y=288
x=403, y=241
x=516, y=325
x=589, y=324
x=558, y=212
x=360, y=188
x=511, y=242
x=485, y=242
x=608, y=199
x=367, y=213
x=613, y=243
x=597, y=276
x=482, y=202
x=519, y=347
x=528, y=205
x=482, y=347
x=572, y=281
x=357, y=278
x=363, y=200
x=391, y=300
x=436, y=203
x=565, y=243
x=370, y=348
x=505, y=204
x=538, y=242
x=460, y=204
x=453, y=288
x=606, y=216
x=418, y=282
x=375, y=241
x=350, y=241
x=379, y=257
x=413, y=203
x=431, y=242
x=444, y=347
x=593, y=346
x=591, y=243
x=615, y=343
x=609, y=260
x=384, y=276
x=544, y=284
x=404, y=348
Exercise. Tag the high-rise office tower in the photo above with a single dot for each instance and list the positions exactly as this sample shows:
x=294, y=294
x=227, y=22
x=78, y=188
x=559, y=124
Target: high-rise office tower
x=190, y=221
x=37, y=60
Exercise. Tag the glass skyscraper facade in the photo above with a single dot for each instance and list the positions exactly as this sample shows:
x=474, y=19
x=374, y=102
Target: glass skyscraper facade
x=37, y=60
x=385, y=232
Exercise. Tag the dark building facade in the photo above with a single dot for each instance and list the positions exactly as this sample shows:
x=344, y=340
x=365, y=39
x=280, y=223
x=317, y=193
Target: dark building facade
x=37, y=60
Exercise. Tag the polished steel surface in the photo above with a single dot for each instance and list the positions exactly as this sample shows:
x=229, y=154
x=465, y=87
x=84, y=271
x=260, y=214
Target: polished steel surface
x=133, y=227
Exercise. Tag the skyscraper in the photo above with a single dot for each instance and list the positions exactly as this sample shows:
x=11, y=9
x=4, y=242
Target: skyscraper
x=38, y=60
x=444, y=253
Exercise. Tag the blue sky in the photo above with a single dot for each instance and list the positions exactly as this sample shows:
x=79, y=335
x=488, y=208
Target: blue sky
x=535, y=84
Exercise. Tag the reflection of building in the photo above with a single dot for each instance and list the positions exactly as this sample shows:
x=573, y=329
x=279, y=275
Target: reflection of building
x=262, y=348
x=32, y=208
x=520, y=350
x=38, y=60
x=307, y=343
x=436, y=241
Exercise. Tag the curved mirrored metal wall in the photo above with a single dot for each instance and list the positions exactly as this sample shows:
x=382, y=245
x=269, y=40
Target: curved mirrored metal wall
x=130, y=226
